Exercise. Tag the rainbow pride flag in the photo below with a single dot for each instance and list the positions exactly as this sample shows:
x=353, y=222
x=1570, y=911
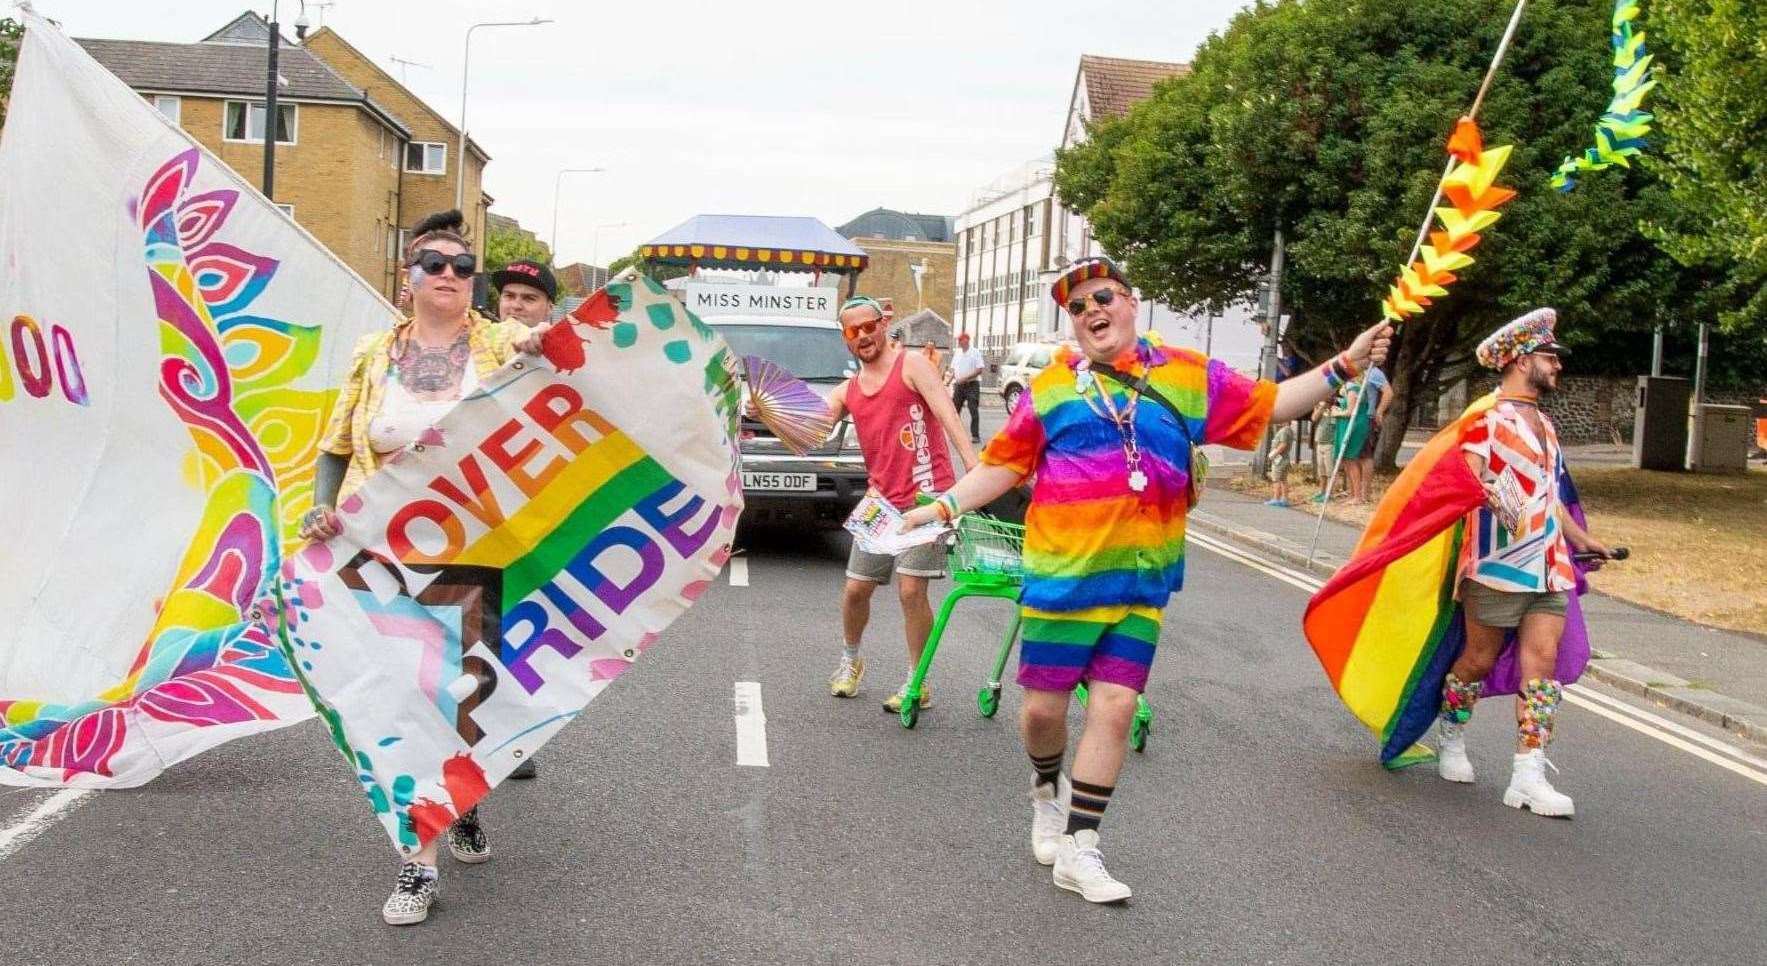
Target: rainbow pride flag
x=1386, y=627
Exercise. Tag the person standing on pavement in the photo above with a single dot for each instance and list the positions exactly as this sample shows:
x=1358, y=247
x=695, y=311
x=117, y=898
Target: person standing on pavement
x=1376, y=394
x=967, y=366
x=526, y=291
x=1109, y=431
x=400, y=382
x=902, y=417
x=1282, y=445
x=1324, y=431
x=1516, y=570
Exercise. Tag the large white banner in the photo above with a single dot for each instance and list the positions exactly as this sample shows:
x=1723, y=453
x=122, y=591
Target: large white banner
x=168, y=341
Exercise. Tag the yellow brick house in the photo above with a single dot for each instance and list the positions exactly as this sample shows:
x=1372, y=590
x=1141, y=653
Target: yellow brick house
x=345, y=154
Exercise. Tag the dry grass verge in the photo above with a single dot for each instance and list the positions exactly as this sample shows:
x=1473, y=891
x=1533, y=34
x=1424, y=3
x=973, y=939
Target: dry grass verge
x=1699, y=542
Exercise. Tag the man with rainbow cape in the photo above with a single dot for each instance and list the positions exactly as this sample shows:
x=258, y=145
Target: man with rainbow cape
x=1465, y=585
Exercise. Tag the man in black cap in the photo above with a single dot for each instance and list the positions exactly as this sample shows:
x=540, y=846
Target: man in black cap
x=526, y=291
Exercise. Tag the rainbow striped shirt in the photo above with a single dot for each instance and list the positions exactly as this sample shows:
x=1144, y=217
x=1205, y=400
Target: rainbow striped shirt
x=1090, y=541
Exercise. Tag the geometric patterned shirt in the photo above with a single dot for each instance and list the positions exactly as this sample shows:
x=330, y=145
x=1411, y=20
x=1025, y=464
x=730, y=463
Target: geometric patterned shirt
x=1534, y=557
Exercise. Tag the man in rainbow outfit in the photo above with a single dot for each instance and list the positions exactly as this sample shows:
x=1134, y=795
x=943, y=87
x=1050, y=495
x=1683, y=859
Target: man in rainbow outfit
x=1108, y=428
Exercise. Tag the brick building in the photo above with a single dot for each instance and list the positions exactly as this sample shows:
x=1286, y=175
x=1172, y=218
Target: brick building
x=344, y=146
x=1016, y=237
x=430, y=159
x=901, y=245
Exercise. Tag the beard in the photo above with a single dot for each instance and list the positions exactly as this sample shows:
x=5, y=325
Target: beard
x=866, y=353
x=1542, y=381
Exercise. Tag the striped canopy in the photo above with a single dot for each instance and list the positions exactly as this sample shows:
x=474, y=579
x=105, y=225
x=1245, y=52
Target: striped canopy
x=755, y=241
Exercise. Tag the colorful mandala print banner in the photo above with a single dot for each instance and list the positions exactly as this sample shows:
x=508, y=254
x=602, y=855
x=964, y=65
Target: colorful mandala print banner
x=167, y=340
x=495, y=576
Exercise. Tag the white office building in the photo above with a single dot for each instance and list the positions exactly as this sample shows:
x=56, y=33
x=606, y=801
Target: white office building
x=1015, y=237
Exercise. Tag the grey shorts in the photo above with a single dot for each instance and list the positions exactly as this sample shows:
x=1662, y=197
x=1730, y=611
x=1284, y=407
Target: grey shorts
x=1503, y=608
x=926, y=560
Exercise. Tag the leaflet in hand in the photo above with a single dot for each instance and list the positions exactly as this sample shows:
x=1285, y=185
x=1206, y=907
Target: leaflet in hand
x=877, y=527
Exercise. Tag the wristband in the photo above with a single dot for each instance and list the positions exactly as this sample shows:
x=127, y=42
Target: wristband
x=947, y=507
x=1350, y=368
x=1332, y=380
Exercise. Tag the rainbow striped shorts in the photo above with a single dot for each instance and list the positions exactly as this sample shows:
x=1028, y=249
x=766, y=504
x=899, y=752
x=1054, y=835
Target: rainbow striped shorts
x=1062, y=648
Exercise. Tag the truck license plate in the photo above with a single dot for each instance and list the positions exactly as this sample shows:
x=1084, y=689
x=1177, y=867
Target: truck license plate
x=789, y=482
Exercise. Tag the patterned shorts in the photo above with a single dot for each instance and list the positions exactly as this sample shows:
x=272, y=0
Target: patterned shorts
x=1062, y=648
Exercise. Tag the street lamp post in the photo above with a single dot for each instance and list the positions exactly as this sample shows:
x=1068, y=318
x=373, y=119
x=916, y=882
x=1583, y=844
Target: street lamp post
x=556, y=184
x=270, y=107
x=465, y=63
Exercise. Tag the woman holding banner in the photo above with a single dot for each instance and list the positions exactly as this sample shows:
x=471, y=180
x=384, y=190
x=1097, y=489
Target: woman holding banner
x=400, y=382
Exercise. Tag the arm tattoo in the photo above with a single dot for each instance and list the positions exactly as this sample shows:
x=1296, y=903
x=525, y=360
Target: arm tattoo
x=433, y=373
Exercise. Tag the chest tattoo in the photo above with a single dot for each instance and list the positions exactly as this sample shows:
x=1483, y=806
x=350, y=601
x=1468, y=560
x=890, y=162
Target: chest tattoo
x=433, y=373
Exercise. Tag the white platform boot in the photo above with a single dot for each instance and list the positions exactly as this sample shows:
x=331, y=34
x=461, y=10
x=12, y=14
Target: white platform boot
x=1529, y=789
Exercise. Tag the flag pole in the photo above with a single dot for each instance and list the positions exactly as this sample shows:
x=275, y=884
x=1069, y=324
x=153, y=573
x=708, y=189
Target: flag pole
x=1515, y=19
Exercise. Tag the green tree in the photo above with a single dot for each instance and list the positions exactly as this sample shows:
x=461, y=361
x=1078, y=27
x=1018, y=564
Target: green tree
x=11, y=32
x=1329, y=120
x=503, y=247
x=1712, y=122
x=624, y=262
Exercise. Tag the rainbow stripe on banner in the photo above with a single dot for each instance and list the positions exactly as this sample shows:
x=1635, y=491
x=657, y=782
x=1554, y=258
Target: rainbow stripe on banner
x=1387, y=627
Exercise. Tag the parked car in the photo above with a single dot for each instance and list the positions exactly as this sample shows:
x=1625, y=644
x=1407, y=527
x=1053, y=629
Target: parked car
x=778, y=486
x=1021, y=366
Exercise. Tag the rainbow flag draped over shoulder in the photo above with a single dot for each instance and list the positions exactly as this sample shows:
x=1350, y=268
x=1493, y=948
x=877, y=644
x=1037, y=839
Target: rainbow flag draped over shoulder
x=1387, y=627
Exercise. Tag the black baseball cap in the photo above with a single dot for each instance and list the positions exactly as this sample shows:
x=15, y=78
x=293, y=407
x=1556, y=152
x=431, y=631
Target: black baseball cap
x=526, y=271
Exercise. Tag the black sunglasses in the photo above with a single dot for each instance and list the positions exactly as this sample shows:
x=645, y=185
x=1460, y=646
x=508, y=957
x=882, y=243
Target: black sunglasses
x=432, y=262
x=1103, y=297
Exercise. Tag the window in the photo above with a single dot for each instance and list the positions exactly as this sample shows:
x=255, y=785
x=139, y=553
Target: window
x=169, y=105
x=286, y=209
x=426, y=157
x=243, y=121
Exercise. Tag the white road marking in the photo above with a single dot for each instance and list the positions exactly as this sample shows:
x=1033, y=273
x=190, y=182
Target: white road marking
x=47, y=813
x=739, y=572
x=751, y=725
x=1720, y=753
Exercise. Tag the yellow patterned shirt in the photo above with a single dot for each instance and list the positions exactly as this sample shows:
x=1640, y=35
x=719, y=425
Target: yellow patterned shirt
x=364, y=389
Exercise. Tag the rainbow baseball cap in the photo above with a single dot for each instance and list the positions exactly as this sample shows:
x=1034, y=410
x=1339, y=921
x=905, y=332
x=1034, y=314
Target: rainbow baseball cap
x=1084, y=269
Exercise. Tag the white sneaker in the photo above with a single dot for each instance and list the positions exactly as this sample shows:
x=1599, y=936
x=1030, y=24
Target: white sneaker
x=412, y=897
x=1079, y=867
x=1049, y=818
x=1529, y=789
x=1451, y=761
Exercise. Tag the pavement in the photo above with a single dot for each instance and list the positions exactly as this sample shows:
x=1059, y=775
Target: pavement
x=1716, y=675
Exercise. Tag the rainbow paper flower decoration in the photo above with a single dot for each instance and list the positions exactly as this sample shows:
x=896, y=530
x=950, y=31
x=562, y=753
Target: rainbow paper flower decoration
x=1621, y=131
x=1474, y=196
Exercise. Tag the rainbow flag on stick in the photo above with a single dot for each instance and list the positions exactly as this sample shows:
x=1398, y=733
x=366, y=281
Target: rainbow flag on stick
x=1387, y=626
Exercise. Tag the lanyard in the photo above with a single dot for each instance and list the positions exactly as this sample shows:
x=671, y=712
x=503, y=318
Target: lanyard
x=1123, y=420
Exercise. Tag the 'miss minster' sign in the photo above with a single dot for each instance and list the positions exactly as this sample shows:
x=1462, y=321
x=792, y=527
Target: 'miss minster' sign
x=709, y=300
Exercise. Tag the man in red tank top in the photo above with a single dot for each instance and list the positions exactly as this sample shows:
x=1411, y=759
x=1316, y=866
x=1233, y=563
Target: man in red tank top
x=904, y=420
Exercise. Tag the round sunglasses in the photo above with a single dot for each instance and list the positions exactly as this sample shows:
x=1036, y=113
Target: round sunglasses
x=432, y=262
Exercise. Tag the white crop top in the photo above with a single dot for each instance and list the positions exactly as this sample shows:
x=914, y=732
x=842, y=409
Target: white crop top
x=403, y=416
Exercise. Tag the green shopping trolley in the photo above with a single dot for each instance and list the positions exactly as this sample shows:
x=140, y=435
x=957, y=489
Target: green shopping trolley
x=987, y=560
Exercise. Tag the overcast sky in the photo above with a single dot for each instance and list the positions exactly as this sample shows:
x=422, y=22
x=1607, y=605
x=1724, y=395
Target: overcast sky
x=823, y=109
